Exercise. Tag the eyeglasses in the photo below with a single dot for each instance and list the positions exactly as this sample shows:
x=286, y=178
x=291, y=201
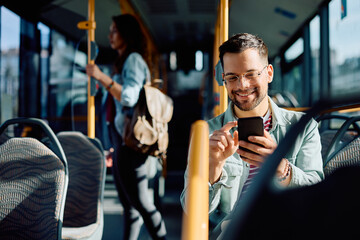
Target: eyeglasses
x=250, y=76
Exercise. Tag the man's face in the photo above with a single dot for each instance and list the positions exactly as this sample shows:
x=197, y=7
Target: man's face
x=245, y=93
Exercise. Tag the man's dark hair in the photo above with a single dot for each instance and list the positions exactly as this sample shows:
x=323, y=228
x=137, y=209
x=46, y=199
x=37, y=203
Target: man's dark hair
x=241, y=42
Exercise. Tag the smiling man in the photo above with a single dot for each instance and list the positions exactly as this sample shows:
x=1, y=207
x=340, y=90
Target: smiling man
x=247, y=73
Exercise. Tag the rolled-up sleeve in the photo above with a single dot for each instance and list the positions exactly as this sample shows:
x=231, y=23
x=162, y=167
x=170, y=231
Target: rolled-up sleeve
x=214, y=191
x=184, y=191
x=307, y=167
x=134, y=76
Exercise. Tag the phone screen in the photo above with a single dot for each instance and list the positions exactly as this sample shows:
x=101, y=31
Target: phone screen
x=252, y=126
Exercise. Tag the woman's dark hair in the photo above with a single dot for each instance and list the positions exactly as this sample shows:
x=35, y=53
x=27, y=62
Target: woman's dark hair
x=131, y=32
x=241, y=42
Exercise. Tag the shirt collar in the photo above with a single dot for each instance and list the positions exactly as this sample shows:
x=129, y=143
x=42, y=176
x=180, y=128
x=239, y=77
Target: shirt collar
x=277, y=117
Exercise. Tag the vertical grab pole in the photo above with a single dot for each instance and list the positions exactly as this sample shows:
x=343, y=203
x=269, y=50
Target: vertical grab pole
x=216, y=87
x=196, y=222
x=91, y=99
x=224, y=35
x=90, y=26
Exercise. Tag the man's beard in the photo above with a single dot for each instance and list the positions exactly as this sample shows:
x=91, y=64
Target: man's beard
x=248, y=106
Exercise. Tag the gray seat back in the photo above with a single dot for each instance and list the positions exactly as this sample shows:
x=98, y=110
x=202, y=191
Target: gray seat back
x=326, y=138
x=342, y=153
x=347, y=156
x=33, y=185
x=86, y=164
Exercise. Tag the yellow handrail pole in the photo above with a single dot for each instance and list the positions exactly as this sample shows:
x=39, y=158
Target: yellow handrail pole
x=216, y=87
x=195, y=223
x=224, y=35
x=90, y=26
x=91, y=99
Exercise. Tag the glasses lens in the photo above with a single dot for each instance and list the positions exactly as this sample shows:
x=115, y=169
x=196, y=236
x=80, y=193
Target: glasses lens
x=251, y=75
x=231, y=78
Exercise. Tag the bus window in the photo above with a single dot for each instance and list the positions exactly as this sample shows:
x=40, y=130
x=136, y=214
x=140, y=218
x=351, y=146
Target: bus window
x=173, y=61
x=344, y=48
x=315, y=58
x=199, y=64
x=293, y=76
x=44, y=66
x=67, y=85
x=293, y=82
x=295, y=50
x=10, y=58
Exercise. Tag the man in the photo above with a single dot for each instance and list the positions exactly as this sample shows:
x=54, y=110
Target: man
x=247, y=73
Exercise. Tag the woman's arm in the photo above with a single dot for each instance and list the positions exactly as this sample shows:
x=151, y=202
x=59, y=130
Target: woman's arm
x=111, y=86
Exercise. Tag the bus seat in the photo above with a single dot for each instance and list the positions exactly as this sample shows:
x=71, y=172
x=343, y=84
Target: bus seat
x=340, y=152
x=32, y=190
x=325, y=121
x=327, y=136
x=347, y=156
x=83, y=214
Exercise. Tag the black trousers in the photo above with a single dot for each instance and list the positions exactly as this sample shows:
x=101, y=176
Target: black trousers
x=130, y=175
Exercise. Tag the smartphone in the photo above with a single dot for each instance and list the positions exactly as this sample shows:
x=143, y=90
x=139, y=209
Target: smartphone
x=252, y=126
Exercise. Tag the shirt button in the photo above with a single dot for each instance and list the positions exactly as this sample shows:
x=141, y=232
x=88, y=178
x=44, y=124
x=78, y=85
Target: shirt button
x=247, y=165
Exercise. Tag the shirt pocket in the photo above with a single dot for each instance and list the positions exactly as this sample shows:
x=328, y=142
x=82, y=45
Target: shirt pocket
x=234, y=170
x=233, y=167
x=229, y=195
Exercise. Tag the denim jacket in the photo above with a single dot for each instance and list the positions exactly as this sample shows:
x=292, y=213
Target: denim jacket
x=304, y=157
x=132, y=78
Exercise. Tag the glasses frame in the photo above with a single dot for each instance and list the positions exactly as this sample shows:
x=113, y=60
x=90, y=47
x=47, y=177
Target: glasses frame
x=238, y=77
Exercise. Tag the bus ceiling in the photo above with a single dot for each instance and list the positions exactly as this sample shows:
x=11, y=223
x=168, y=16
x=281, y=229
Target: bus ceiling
x=177, y=24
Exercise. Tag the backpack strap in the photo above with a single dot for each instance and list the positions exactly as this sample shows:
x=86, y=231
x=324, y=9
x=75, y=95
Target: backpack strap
x=157, y=82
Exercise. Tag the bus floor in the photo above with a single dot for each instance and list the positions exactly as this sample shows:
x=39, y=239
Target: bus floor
x=113, y=211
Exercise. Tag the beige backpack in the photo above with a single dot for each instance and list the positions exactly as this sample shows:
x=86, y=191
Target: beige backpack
x=146, y=130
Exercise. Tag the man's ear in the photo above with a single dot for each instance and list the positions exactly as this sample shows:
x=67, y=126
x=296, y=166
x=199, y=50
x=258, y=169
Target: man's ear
x=270, y=71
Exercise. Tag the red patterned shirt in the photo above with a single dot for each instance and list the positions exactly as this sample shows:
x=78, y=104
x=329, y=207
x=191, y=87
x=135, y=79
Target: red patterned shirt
x=254, y=169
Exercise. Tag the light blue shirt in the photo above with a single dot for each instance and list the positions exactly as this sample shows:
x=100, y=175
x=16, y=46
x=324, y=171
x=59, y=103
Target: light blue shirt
x=133, y=76
x=304, y=157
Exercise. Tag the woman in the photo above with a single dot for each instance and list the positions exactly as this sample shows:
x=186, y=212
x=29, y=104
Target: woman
x=131, y=73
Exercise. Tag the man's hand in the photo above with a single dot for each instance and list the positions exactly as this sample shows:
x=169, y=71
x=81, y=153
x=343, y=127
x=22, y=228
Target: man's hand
x=222, y=146
x=259, y=153
x=268, y=146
